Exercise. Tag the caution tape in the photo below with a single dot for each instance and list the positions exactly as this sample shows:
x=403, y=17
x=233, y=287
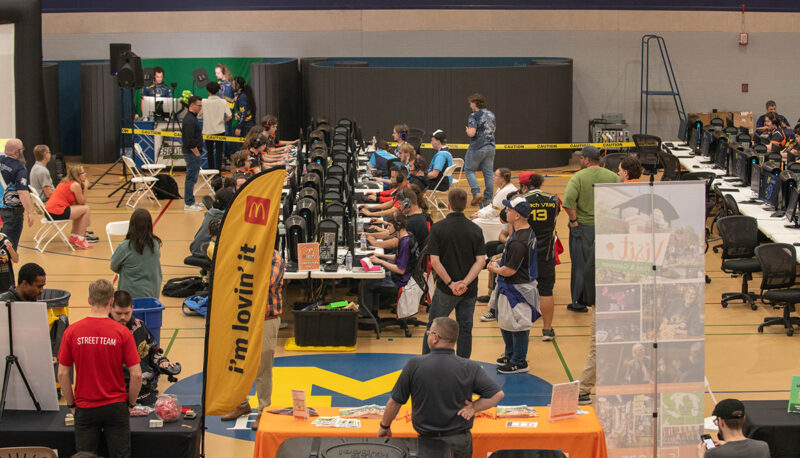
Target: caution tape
x=176, y=134
x=548, y=146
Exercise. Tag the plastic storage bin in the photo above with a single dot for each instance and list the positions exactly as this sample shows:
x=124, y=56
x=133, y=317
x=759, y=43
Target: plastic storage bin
x=325, y=328
x=149, y=310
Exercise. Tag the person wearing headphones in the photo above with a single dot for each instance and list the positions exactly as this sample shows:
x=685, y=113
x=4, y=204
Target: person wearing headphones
x=270, y=124
x=400, y=135
x=380, y=159
x=791, y=153
x=418, y=223
x=398, y=266
x=773, y=133
x=399, y=179
x=245, y=107
x=417, y=175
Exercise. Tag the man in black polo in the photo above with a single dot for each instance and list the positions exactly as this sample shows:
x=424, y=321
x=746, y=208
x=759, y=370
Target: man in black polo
x=441, y=386
x=457, y=253
x=192, y=146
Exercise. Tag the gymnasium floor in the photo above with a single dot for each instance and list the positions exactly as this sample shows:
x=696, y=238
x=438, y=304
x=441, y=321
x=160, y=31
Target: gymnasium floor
x=739, y=362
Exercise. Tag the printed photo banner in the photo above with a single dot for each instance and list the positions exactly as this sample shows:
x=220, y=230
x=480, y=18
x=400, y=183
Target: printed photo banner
x=650, y=288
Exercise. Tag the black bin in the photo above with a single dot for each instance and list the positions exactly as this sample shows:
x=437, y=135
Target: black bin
x=325, y=328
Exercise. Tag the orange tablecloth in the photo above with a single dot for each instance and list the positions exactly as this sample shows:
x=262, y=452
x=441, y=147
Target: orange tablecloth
x=581, y=437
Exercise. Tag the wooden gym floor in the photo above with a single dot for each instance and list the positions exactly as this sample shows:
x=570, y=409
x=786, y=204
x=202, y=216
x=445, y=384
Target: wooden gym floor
x=740, y=362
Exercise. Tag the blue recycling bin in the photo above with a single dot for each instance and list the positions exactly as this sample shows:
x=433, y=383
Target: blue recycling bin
x=149, y=310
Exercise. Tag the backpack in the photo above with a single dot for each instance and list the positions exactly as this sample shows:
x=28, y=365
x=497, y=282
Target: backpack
x=195, y=305
x=183, y=286
x=166, y=188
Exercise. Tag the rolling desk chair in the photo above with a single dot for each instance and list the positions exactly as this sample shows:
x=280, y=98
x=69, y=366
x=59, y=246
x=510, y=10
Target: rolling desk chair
x=739, y=240
x=611, y=161
x=671, y=165
x=527, y=453
x=647, y=148
x=778, y=267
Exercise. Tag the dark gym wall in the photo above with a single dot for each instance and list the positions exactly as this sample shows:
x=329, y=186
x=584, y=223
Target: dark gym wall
x=100, y=114
x=276, y=86
x=533, y=103
x=26, y=15
x=52, y=136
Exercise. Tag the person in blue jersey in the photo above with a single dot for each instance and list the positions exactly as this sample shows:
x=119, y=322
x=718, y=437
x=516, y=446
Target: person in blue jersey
x=480, y=154
x=441, y=160
x=226, y=92
x=245, y=107
x=380, y=159
x=158, y=88
x=15, y=199
x=772, y=107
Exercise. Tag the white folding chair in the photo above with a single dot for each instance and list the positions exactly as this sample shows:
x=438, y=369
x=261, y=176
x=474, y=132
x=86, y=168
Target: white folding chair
x=118, y=228
x=433, y=197
x=147, y=165
x=207, y=175
x=142, y=185
x=459, y=164
x=50, y=227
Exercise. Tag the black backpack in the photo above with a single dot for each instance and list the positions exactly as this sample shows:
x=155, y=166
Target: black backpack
x=183, y=286
x=166, y=188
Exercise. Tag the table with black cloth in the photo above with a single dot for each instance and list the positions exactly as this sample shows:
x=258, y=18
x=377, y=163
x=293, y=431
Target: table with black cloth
x=28, y=428
x=769, y=421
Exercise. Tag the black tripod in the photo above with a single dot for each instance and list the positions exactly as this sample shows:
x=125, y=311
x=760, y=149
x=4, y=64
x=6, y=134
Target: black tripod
x=121, y=140
x=12, y=360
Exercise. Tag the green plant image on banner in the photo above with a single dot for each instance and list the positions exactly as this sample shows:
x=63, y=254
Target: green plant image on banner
x=180, y=71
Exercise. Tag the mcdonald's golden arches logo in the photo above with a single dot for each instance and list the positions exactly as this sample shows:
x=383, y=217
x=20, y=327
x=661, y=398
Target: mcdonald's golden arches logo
x=256, y=210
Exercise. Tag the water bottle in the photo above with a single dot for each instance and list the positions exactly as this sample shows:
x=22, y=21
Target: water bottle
x=364, y=241
x=348, y=261
x=374, y=141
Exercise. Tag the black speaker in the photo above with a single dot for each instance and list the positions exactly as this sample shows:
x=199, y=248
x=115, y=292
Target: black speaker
x=148, y=76
x=200, y=77
x=130, y=74
x=116, y=51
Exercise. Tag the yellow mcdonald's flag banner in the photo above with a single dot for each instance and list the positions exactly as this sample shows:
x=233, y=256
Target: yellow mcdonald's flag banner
x=240, y=286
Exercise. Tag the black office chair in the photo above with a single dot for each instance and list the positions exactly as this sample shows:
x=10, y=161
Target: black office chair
x=415, y=141
x=794, y=167
x=671, y=166
x=416, y=132
x=647, y=148
x=730, y=207
x=739, y=240
x=527, y=453
x=611, y=161
x=778, y=267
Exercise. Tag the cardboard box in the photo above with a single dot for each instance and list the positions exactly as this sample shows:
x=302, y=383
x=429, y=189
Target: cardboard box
x=706, y=117
x=743, y=119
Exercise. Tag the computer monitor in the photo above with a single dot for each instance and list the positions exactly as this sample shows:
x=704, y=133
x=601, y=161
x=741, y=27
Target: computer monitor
x=694, y=140
x=788, y=180
x=770, y=187
x=738, y=166
x=791, y=208
x=755, y=178
x=168, y=104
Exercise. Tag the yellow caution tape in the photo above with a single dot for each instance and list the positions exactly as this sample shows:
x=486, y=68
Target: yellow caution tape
x=573, y=146
x=176, y=134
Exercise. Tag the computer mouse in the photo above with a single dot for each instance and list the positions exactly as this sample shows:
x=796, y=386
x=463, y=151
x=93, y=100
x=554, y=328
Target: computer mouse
x=796, y=244
x=695, y=166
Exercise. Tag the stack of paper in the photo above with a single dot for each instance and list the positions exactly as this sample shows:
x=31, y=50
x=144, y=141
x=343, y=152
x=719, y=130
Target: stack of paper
x=369, y=411
x=336, y=422
x=516, y=411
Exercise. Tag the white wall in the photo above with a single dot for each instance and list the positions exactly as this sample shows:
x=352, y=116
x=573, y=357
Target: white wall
x=605, y=45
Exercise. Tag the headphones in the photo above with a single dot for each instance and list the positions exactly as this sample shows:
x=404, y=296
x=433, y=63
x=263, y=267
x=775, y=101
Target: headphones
x=403, y=136
x=260, y=140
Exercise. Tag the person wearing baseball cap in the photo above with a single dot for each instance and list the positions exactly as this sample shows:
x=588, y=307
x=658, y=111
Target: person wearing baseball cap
x=516, y=296
x=579, y=205
x=732, y=442
x=441, y=160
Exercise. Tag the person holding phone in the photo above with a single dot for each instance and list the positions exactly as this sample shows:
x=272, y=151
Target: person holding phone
x=729, y=419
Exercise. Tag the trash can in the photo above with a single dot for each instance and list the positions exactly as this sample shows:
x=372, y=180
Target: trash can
x=149, y=310
x=57, y=301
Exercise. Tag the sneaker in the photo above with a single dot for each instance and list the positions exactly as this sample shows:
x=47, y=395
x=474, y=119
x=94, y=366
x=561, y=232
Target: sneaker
x=483, y=299
x=193, y=208
x=91, y=238
x=579, y=309
x=79, y=243
x=584, y=400
x=548, y=335
x=512, y=369
x=502, y=360
x=490, y=316
x=88, y=232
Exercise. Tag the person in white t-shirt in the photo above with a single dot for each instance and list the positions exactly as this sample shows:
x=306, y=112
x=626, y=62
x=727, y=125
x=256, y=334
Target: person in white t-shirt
x=487, y=218
x=216, y=113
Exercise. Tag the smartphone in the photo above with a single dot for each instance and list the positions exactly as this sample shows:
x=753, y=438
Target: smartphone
x=706, y=438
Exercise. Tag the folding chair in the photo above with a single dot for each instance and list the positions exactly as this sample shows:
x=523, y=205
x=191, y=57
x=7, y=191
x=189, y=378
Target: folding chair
x=147, y=165
x=207, y=175
x=459, y=164
x=118, y=228
x=138, y=185
x=50, y=227
x=433, y=197
x=28, y=452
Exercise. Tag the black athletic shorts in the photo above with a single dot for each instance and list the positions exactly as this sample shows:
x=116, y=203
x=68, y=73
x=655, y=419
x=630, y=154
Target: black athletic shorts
x=62, y=216
x=547, y=277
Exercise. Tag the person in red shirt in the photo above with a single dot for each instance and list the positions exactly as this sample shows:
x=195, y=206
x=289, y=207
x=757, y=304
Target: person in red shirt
x=98, y=347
